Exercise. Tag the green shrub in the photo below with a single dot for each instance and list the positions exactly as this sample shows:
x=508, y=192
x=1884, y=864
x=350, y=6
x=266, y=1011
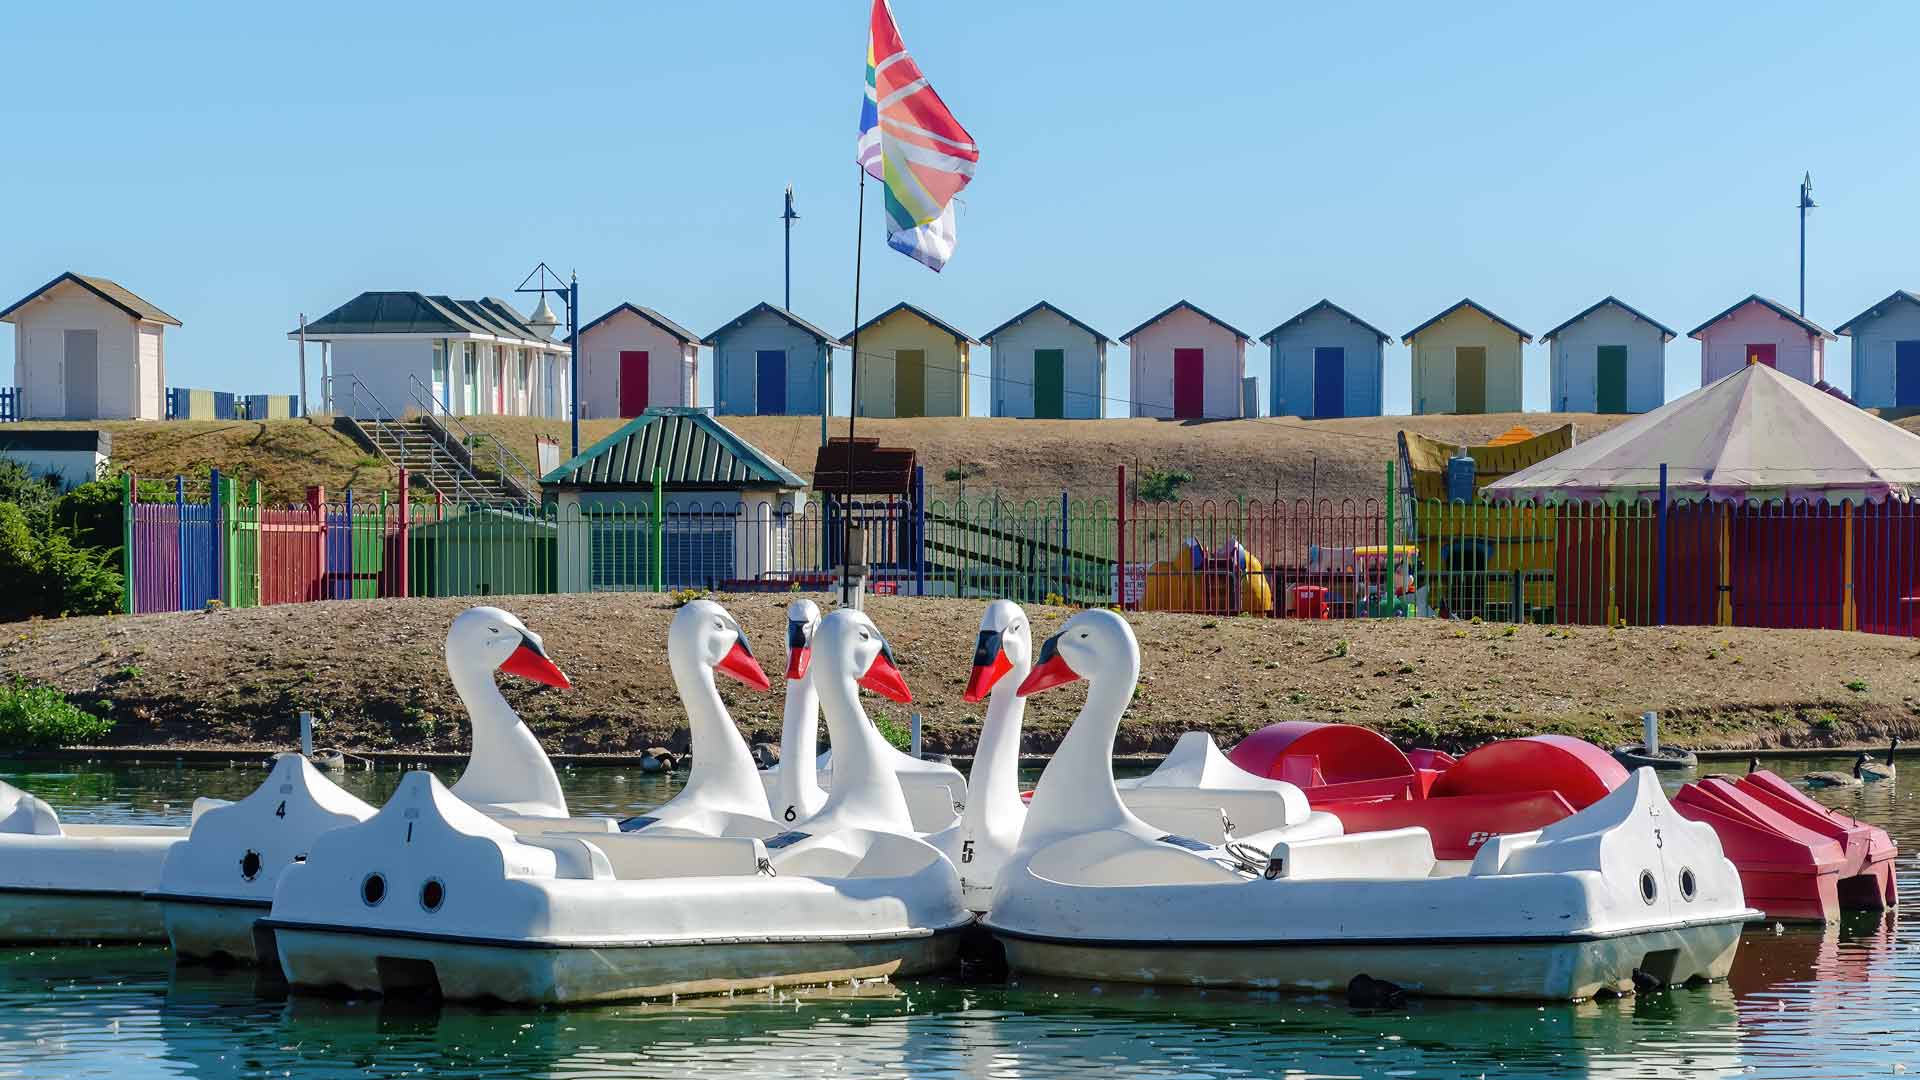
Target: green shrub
x=1163, y=485
x=896, y=733
x=35, y=717
x=682, y=597
x=48, y=574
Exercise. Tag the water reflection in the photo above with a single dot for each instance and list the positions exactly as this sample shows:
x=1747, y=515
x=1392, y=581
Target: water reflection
x=1839, y=1001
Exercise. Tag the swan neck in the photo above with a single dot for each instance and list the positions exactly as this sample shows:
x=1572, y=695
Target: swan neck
x=1076, y=794
x=507, y=764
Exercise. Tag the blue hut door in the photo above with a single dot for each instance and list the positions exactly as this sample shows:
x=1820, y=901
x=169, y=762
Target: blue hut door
x=1906, y=373
x=1329, y=381
x=773, y=382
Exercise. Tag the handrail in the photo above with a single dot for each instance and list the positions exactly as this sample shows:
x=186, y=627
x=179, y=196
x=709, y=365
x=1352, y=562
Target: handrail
x=509, y=466
x=383, y=422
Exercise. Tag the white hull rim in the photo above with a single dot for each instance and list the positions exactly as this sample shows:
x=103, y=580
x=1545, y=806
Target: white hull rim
x=1534, y=968
x=323, y=958
x=211, y=928
x=30, y=916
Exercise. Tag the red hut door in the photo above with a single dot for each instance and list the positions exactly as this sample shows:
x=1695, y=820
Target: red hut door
x=1189, y=384
x=633, y=382
x=1761, y=354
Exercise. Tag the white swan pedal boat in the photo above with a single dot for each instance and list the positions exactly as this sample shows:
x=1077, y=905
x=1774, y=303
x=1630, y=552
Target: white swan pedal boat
x=63, y=882
x=430, y=895
x=1624, y=891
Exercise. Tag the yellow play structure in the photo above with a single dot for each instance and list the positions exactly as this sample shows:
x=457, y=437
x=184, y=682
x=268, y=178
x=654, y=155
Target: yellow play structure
x=1229, y=581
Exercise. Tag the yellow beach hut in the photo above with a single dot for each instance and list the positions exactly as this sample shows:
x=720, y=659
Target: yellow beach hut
x=911, y=363
x=1466, y=360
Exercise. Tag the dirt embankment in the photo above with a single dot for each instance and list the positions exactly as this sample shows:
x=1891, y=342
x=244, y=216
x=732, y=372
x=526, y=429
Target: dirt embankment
x=373, y=671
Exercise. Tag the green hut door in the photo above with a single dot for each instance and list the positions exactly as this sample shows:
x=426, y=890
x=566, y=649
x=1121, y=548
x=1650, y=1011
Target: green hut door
x=1610, y=396
x=1049, y=384
x=910, y=382
x=1470, y=379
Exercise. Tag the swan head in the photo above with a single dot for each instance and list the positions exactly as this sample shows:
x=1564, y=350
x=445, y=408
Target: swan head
x=803, y=618
x=1005, y=643
x=851, y=646
x=1090, y=640
x=706, y=634
x=501, y=641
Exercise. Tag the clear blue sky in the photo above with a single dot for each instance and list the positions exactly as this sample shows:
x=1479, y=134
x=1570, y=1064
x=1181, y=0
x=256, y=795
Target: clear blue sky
x=239, y=166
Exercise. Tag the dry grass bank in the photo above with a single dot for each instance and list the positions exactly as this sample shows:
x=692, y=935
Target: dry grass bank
x=373, y=671
x=286, y=456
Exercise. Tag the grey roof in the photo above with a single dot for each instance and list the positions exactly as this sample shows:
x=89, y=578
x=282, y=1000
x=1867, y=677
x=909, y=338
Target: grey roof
x=777, y=312
x=1176, y=306
x=419, y=313
x=1777, y=308
x=1097, y=335
x=1897, y=294
x=685, y=335
x=112, y=292
x=1327, y=305
x=694, y=451
x=1668, y=333
x=1466, y=302
x=930, y=318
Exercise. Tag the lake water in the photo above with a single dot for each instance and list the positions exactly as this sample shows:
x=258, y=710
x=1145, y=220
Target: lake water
x=1840, y=1003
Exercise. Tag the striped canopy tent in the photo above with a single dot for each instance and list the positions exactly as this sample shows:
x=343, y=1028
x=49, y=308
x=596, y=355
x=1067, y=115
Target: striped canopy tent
x=1754, y=435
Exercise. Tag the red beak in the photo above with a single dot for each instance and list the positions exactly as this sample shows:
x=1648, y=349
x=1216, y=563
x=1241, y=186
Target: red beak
x=530, y=661
x=883, y=677
x=990, y=665
x=740, y=664
x=1051, y=671
x=798, y=660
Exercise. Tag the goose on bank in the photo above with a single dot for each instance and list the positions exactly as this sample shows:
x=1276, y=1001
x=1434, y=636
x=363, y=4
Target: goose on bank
x=1624, y=888
x=428, y=895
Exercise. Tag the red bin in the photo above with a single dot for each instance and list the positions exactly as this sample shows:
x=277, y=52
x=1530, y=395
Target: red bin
x=1310, y=602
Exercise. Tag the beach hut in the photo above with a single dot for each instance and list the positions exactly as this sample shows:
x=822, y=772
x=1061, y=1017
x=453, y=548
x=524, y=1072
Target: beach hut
x=633, y=359
x=1326, y=362
x=728, y=506
x=912, y=364
x=1048, y=365
x=1886, y=353
x=398, y=351
x=770, y=362
x=1610, y=358
x=1187, y=365
x=85, y=348
x=1762, y=331
x=1466, y=360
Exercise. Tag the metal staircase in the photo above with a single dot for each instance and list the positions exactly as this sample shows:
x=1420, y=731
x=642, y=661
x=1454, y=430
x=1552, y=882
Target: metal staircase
x=441, y=453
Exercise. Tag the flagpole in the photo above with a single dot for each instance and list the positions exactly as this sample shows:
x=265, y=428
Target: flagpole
x=853, y=394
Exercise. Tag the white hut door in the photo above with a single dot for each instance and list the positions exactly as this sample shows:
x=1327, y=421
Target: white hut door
x=83, y=374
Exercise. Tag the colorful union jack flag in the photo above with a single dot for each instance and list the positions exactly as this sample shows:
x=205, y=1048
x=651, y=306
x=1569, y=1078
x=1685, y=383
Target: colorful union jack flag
x=911, y=143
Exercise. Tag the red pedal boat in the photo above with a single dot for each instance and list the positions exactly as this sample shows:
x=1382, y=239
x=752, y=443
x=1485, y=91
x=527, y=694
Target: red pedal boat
x=1797, y=859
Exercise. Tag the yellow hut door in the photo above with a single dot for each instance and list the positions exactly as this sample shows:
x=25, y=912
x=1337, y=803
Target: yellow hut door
x=910, y=382
x=1470, y=379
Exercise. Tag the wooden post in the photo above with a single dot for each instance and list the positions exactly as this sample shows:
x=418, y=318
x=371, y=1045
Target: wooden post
x=1120, y=537
x=317, y=510
x=129, y=503
x=403, y=568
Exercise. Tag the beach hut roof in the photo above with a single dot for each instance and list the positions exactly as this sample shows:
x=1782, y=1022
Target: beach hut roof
x=1846, y=328
x=694, y=452
x=1327, y=305
x=1097, y=335
x=684, y=335
x=1777, y=308
x=1465, y=302
x=404, y=312
x=929, y=317
x=1755, y=434
x=112, y=292
x=777, y=312
x=1176, y=306
x=1666, y=334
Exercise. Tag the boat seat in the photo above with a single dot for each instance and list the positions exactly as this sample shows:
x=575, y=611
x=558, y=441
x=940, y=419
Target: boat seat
x=1207, y=824
x=857, y=853
x=125, y=831
x=1114, y=857
x=930, y=800
x=1247, y=810
x=1494, y=851
x=540, y=826
x=573, y=857
x=1397, y=853
x=639, y=857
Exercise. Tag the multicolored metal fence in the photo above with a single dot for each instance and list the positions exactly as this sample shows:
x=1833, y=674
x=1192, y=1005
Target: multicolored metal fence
x=1806, y=565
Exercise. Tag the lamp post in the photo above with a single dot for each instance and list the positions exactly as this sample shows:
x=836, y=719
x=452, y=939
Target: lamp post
x=546, y=322
x=1806, y=204
x=789, y=217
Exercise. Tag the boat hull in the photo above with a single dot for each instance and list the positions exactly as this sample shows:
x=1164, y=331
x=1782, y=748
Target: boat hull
x=319, y=958
x=55, y=916
x=213, y=931
x=1542, y=970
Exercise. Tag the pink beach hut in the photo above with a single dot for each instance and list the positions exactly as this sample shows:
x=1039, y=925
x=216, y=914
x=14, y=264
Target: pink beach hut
x=1762, y=331
x=1187, y=365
